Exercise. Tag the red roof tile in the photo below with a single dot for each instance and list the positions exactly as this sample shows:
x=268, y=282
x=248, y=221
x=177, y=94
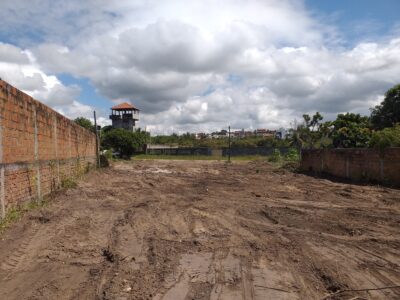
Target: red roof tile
x=124, y=106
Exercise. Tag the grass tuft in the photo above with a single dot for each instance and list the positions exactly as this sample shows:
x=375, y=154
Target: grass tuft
x=16, y=213
x=68, y=183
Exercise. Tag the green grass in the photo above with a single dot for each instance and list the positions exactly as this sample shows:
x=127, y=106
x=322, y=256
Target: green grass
x=198, y=157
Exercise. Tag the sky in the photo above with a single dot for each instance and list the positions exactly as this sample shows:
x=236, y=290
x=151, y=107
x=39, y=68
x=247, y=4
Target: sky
x=202, y=65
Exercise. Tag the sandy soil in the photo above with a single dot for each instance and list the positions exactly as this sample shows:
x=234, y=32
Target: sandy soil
x=170, y=230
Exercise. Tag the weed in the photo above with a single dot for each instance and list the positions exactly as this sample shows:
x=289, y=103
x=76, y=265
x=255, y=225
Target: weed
x=108, y=154
x=68, y=183
x=292, y=166
x=275, y=156
x=104, y=161
x=292, y=155
x=16, y=213
x=88, y=167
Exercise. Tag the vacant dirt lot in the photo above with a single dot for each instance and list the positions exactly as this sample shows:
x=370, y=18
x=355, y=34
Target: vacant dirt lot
x=205, y=230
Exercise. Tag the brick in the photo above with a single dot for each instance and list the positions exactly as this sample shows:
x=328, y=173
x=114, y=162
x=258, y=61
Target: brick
x=17, y=112
x=359, y=164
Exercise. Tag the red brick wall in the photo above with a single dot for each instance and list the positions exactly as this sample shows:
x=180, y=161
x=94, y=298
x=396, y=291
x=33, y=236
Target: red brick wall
x=359, y=164
x=39, y=148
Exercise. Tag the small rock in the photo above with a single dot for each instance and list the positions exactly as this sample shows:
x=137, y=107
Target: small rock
x=128, y=289
x=94, y=272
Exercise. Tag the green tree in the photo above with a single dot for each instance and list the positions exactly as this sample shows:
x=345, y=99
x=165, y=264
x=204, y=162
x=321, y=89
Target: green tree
x=313, y=123
x=106, y=128
x=350, y=131
x=388, y=137
x=140, y=138
x=86, y=123
x=310, y=133
x=387, y=114
x=125, y=142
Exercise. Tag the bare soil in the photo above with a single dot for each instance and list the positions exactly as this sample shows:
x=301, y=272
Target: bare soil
x=170, y=230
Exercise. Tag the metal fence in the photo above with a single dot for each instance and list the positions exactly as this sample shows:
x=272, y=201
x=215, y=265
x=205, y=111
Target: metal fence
x=262, y=151
x=180, y=151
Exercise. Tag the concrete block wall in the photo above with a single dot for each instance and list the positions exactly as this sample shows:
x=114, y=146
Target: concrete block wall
x=39, y=148
x=359, y=164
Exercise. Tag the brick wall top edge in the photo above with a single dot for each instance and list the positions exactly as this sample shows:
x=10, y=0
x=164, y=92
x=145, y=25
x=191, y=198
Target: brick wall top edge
x=41, y=106
x=350, y=151
x=347, y=149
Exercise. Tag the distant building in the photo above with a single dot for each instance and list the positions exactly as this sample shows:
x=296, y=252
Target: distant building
x=282, y=133
x=242, y=133
x=201, y=135
x=265, y=132
x=219, y=134
x=238, y=133
x=124, y=116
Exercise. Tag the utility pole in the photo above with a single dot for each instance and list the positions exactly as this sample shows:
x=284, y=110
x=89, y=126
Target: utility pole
x=97, y=141
x=148, y=141
x=229, y=142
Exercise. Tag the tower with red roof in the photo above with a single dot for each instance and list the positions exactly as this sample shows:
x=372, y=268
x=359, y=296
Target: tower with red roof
x=124, y=116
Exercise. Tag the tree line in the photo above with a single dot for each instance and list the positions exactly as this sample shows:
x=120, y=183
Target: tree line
x=117, y=141
x=381, y=129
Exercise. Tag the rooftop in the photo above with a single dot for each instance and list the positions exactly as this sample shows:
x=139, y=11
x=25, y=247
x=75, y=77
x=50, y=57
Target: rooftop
x=124, y=106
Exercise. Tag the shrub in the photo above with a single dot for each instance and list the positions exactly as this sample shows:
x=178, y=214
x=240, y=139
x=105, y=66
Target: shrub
x=388, y=137
x=292, y=155
x=104, y=161
x=275, y=156
x=120, y=140
x=350, y=131
x=86, y=123
x=68, y=183
x=124, y=142
x=108, y=154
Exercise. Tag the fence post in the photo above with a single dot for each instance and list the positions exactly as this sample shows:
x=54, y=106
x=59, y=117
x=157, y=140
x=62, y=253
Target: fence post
x=97, y=141
x=36, y=156
x=229, y=143
x=2, y=179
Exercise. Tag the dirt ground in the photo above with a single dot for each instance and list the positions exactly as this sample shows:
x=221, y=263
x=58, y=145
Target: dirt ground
x=171, y=230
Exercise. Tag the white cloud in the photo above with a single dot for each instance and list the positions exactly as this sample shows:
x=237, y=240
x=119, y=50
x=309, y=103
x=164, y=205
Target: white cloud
x=75, y=109
x=11, y=54
x=200, y=64
x=26, y=75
